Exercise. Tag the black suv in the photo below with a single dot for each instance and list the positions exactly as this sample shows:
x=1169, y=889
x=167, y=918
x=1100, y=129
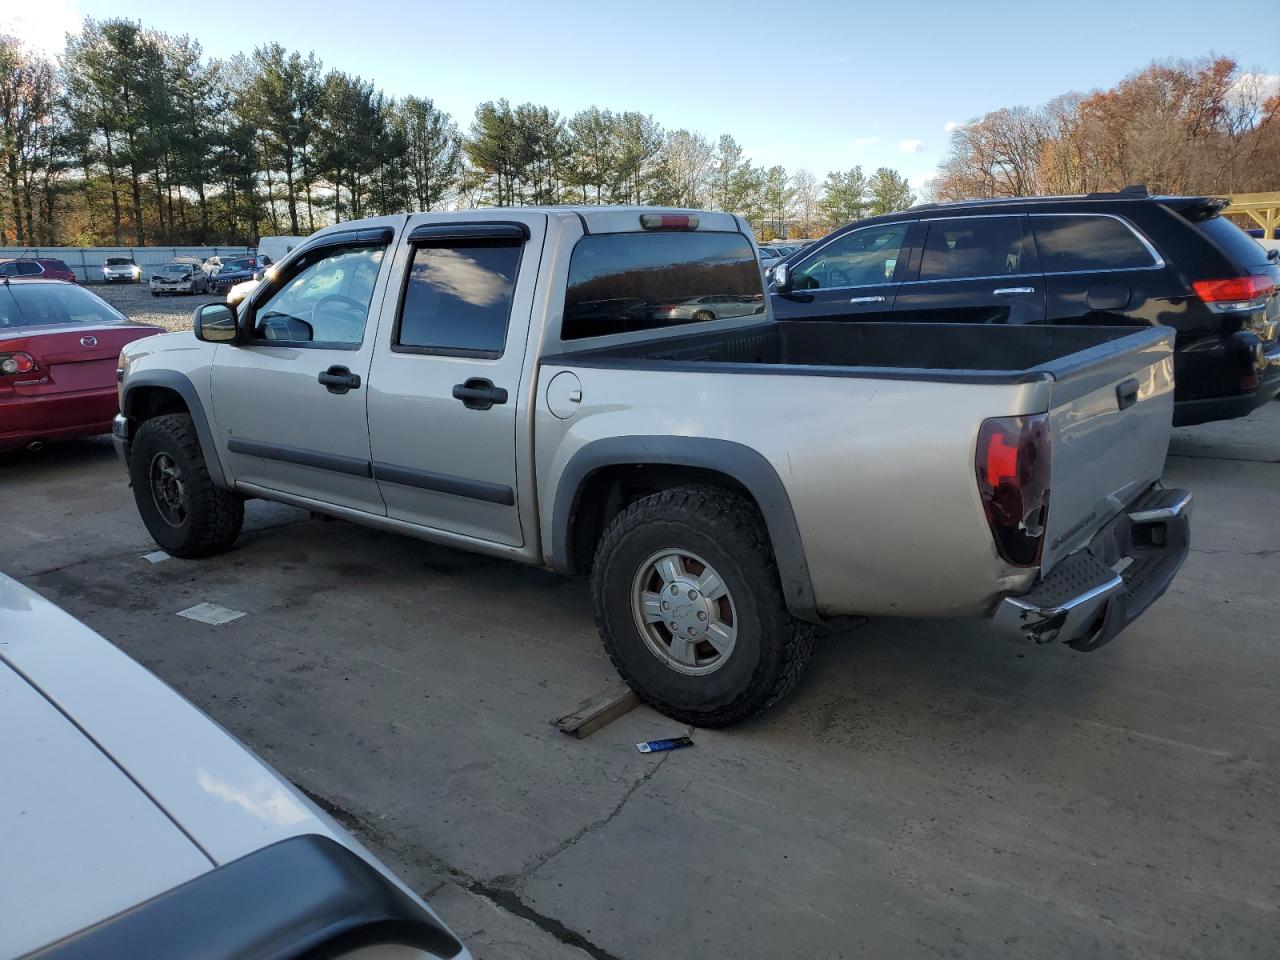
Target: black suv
x=1116, y=258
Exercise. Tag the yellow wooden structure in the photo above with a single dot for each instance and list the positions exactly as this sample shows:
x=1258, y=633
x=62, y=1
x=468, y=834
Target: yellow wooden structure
x=1262, y=208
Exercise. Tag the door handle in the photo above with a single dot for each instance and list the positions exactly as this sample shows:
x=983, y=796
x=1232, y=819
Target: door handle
x=479, y=394
x=1012, y=291
x=1127, y=393
x=339, y=379
x=867, y=300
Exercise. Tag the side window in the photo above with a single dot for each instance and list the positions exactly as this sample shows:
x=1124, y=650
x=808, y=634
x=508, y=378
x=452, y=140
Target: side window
x=1079, y=243
x=974, y=247
x=326, y=302
x=29, y=268
x=457, y=297
x=860, y=258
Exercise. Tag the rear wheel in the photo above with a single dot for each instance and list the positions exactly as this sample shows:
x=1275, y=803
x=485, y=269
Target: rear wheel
x=703, y=315
x=690, y=607
x=183, y=510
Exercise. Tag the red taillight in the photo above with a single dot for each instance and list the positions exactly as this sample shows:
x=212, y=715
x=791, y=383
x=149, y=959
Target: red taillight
x=1234, y=290
x=668, y=221
x=12, y=364
x=1013, y=481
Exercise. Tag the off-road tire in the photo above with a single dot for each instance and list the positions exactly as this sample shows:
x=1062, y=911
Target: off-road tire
x=213, y=515
x=772, y=647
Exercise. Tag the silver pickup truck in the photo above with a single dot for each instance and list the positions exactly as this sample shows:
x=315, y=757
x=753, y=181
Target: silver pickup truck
x=604, y=390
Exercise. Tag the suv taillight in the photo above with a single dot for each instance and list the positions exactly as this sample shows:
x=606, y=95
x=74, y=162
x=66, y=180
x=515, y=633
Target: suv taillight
x=1235, y=291
x=13, y=364
x=1013, y=480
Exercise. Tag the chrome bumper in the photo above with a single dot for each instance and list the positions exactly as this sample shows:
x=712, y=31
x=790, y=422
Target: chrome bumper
x=1090, y=596
x=120, y=439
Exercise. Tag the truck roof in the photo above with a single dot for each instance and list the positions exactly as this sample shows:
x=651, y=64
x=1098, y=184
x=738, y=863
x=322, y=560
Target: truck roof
x=595, y=219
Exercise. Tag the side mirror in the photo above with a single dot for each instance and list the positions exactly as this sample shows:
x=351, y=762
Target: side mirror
x=215, y=323
x=782, y=277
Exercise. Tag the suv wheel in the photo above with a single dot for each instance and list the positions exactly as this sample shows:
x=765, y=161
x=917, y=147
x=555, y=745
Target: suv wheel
x=690, y=608
x=183, y=511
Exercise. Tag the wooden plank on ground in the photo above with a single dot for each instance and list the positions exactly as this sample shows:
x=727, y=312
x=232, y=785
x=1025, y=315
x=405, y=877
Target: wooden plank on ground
x=593, y=713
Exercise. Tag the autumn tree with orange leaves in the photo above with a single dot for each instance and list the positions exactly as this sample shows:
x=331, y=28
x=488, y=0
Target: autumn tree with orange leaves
x=1200, y=126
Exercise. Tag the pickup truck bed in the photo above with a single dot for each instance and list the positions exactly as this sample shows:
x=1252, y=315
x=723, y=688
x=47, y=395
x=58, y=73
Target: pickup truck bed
x=906, y=351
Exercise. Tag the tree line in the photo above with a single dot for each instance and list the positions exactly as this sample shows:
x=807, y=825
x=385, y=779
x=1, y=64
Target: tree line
x=134, y=137
x=1182, y=126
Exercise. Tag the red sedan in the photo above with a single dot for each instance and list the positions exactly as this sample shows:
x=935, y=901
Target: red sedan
x=59, y=346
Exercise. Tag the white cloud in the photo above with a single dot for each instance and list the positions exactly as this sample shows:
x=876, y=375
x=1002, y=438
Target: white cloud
x=1254, y=87
x=865, y=141
x=44, y=27
x=911, y=146
x=919, y=180
x=951, y=125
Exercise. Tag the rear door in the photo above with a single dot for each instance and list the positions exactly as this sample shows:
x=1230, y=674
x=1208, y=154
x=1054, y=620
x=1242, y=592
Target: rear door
x=1098, y=268
x=973, y=270
x=290, y=401
x=444, y=397
x=854, y=276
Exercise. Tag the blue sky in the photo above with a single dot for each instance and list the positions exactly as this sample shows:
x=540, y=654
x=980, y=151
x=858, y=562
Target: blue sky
x=818, y=84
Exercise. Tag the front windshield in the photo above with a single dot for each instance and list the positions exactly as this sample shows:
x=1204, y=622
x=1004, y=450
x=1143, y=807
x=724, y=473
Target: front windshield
x=230, y=265
x=176, y=269
x=119, y=262
x=44, y=304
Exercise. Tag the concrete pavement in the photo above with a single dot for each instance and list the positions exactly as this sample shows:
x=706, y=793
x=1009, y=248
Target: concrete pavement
x=930, y=790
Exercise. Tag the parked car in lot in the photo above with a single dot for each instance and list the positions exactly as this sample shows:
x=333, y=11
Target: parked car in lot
x=188, y=278
x=236, y=271
x=134, y=826
x=48, y=268
x=58, y=350
x=1115, y=258
x=121, y=270
x=492, y=380
x=712, y=307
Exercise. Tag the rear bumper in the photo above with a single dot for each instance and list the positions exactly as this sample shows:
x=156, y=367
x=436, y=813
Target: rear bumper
x=1187, y=413
x=1089, y=597
x=55, y=416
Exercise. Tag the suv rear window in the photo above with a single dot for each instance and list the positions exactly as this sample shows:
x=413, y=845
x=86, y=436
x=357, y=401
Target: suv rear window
x=1234, y=242
x=1082, y=243
x=620, y=282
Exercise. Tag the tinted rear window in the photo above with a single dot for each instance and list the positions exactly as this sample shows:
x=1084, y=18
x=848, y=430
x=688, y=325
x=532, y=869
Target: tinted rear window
x=1070, y=244
x=620, y=282
x=42, y=304
x=1234, y=242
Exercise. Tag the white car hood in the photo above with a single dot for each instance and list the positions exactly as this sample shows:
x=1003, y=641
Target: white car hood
x=78, y=840
x=123, y=788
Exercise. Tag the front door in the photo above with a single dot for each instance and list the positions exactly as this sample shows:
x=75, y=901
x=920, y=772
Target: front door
x=444, y=399
x=852, y=277
x=974, y=270
x=290, y=401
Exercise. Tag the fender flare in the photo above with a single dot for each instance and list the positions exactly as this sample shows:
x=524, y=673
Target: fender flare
x=746, y=466
x=181, y=385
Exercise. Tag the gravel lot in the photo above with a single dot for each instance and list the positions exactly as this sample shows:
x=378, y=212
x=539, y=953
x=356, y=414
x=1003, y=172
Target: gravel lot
x=136, y=302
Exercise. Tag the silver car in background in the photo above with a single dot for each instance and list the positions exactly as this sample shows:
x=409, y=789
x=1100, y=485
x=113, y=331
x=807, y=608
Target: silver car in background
x=699, y=309
x=188, y=278
x=121, y=270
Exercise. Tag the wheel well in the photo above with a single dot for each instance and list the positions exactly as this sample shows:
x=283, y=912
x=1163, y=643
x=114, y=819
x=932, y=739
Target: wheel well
x=608, y=491
x=144, y=403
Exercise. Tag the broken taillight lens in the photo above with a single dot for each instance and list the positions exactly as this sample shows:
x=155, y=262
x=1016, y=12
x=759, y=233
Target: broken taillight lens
x=1013, y=481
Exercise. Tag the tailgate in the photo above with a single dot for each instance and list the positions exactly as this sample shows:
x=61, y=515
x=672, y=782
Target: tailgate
x=1110, y=414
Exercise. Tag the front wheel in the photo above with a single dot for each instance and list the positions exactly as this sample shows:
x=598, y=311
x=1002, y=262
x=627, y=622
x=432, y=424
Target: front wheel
x=690, y=607
x=183, y=510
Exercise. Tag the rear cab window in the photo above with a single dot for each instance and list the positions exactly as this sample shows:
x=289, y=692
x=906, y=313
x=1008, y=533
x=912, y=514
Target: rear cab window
x=1085, y=243
x=624, y=282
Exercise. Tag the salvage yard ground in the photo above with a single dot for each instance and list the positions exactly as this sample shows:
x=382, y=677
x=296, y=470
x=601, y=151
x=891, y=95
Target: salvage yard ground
x=930, y=790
